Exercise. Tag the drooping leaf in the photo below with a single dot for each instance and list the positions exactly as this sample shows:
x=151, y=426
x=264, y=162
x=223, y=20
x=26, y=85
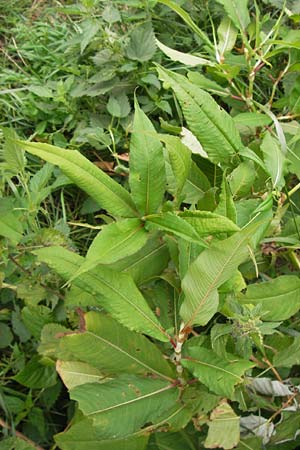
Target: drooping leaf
x=227, y=34
x=223, y=418
x=218, y=374
x=185, y=58
x=142, y=43
x=109, y=194
x=147, y=166
x=207, y=223
x=279, y=298
x=115, y=291
x=171, y=223
x=213, y=127
x=124, y=405
x=237, y=11
x=112, y=348
x=210, y=270
x=75, y=373
x=84, y=435
x=114, y=242
x=274, y=160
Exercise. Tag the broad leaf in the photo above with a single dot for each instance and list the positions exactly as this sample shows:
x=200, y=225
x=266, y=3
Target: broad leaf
x=112, y=348
x=218, y=374
x=75, y=373
x=37, y=374
x=124, y=405
x=84, y=435
x=279, y=298
x=214, y=128
x=147, y=166
x=115, y=291
x=288, y=357
x=242, y=178
x=223, y=418
x=207, y=223
x=237, y=11
x=109, y=194
x=171, y=223
x=274, y=160
x=142, y=45
x=114, y=242
x=210, y=270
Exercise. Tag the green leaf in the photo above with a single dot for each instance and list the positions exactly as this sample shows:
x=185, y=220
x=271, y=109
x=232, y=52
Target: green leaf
x=118, y=106
x=124, y=405
x=35, y=317
x=112, y=348
x=84, y=435
x=75, y=373
x=242, y=178
x=10, y=225
x=41, y=91
x=196, y=185
x=147, y=166
x=210, y=270
x=252, y=119
x=213, y=127
x=227, y=35
x=237, y=11
x=37, y=374
x=114, y=242
x=89, y=28
x=6, y=335
x=15, y=443
x=274, y=160
x=115, y=291
x=171, y=223
x=218, y=374
x=14, y=160
x=279, y=298
x=288, y=357
x=226, y=205
x=223, y=418
x=208, y=223
x=109, y=194
x=185, y=58
x=142, y=43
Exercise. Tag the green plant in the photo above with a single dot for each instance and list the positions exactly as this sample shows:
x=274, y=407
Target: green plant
x=166, y=337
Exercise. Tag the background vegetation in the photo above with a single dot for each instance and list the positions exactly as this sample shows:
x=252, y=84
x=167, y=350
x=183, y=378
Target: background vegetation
x=72, y=75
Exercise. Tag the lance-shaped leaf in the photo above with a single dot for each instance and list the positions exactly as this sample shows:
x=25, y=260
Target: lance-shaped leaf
x=226, y=205
x=237, y=11
x=223, y=418
x=274, y=160
x=279, y=298
x=184, y=58
x=115, y=291
x=84, y=435
x=105, y=191
x=227, y=35
x=218, y=374
x=207, y=223
x=124, y=405
x=114, y=242
x=75, y=373
x=171, y=223
x=212, y=268
x=112, y=348
x=147, y=178
x=214, y=128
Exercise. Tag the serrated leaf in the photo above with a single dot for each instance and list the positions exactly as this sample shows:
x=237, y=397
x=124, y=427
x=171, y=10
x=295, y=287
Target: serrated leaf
x=147, y=178
x=279, y=298
x=210, y=270
x=142, y=43
x=274, y=160
x=218, y=374
x=109, y=194
x=118, y=106
x=128, y=401
x=90, y=28
x=185, y=58
x=227, y=34
x=115, y=291
x=223, y=418
x=207, y=223
x=112, y=348
x=114, y=242
x=212, y=126
x=14, y=160
x=237, y=11
x=171, y=223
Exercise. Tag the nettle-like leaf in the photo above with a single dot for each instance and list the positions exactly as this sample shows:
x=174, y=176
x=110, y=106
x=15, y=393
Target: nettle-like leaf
x=128, y=401
x=112, y=348
x=114, y=242
x=115, y=291
x=142, y=44
x=147, y=177
x=218, y=374
x=213, y=126
x=279, y=298
x=96, y=183
x=210, y=270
